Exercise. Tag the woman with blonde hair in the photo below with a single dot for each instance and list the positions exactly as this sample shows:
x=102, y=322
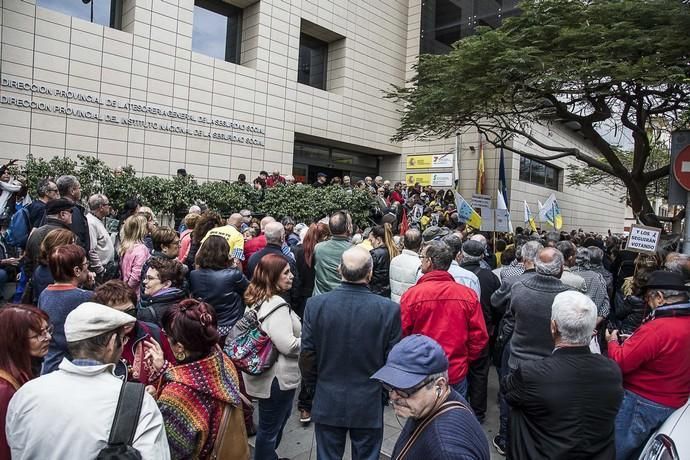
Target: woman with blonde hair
x=275, y=387
x=133, y=252
x=190, y=221
x=381, y=238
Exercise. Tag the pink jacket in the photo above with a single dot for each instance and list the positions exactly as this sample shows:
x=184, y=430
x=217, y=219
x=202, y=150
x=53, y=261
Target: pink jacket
x=131, y=264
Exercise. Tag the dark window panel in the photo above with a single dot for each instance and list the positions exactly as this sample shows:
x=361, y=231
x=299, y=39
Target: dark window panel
x=524, y=169
x=311, y=66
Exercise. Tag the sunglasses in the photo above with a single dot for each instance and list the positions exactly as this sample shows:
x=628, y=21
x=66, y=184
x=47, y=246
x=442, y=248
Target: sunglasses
x=407, y=392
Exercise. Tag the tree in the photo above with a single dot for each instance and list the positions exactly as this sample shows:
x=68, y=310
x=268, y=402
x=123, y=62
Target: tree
x=593, y=66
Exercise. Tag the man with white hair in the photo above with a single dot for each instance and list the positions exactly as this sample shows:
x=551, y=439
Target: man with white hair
x=564, y=406
x=526, y=321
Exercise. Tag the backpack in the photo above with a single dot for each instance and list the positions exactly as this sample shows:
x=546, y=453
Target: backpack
x=19, y=228
x=125, y=423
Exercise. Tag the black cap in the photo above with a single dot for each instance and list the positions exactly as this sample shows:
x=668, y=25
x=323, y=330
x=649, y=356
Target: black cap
x=321, y=174
x=58, y=205
x=661, y=279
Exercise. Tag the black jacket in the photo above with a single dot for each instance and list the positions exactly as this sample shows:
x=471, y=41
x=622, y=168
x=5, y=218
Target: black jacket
x=223, y=289
x=347, y=334
x=152, y=310
x=380, y=281
x=33, y=244
x=564, y=406
x=292, y=296
x=307, y=275
x=489, y=283
x=629, y=311
x=80, y=227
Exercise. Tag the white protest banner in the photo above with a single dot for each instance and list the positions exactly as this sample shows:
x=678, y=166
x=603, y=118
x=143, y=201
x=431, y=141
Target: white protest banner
x=488, y=220
x=643, y=239
x=481, y=201
x=502, y=223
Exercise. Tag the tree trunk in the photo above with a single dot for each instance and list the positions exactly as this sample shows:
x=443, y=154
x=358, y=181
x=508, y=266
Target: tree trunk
x=642, y=208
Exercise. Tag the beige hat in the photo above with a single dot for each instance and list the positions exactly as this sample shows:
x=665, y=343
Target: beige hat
x=92, y=319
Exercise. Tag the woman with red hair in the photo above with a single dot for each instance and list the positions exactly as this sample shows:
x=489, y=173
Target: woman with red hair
x=275, y=387
x=201, y=389
x=70, y=269
x=24, y=337
x=304, y=260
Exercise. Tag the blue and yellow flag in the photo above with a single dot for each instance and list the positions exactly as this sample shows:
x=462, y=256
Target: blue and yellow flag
x=467, y=215
x=529, y=218
x=551, y=212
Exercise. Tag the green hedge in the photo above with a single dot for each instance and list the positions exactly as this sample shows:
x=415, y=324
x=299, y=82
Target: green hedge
x=170, y=195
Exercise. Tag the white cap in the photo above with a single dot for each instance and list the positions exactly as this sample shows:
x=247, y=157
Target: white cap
x=92, y=319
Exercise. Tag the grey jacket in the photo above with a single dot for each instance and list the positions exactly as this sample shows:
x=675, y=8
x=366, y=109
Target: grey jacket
x=529, y=315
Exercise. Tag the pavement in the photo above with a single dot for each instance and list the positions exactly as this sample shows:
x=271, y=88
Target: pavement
x=298, y=441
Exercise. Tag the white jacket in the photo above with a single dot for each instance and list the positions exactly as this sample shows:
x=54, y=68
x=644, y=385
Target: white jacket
x=403, y=273
x=284, y=328
x=68, y=414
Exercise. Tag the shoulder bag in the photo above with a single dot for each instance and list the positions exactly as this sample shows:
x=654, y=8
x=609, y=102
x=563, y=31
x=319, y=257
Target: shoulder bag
x=442, y=409
x=125, y=424
x=248, y=346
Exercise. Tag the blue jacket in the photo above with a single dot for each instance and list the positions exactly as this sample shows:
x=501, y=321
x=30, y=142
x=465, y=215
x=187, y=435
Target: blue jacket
x=346, y=336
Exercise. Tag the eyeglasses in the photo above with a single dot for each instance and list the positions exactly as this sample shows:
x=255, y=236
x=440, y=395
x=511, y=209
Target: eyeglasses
x=51, y=190
x=407, y=392
x=44, y=335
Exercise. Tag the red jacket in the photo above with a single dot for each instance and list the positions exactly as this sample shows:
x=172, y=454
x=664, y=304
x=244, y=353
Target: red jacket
x=256, y=244
x=655, y=360
x=449, y=313
x=7, y=390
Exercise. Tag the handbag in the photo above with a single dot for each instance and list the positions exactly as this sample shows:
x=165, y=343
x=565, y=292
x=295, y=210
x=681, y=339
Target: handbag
x=442, y=409
x=125, y=424
x=248, y=346
x=231, y=441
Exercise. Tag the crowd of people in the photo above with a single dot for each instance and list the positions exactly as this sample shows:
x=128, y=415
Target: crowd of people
x=590, y=341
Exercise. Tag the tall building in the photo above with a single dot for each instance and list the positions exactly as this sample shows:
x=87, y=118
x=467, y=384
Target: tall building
x=223, y=87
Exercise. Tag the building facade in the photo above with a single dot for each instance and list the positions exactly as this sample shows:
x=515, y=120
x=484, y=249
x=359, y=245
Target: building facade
x=223, y=87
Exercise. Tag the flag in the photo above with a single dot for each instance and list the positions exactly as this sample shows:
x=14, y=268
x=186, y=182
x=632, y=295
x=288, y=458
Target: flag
x=551, y=212
x=529, y=218
x=481, y=177
x=404, y=225
x=502, y=184
x=540, y=206
x=501, y=204
x=465, y=212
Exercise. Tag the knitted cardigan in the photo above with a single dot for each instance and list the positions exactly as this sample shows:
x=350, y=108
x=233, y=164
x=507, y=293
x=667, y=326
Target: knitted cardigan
x=192, y=402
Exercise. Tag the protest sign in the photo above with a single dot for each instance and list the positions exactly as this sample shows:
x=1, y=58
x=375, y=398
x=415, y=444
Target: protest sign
x=643, y=239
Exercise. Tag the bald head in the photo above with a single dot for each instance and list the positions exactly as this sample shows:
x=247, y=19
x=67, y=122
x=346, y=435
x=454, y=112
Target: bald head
x=549, y=262
x=356, y=265
x=481, y=238
x=274, y=232
x=235, y=220
x=265, y=221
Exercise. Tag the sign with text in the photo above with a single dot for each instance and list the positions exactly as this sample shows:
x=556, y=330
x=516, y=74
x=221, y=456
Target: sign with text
x=440, y=160
x=488, y=220
x=433, y=179
x=502, y=220
x=125, y=112
x=643, y=239
x=481, y=201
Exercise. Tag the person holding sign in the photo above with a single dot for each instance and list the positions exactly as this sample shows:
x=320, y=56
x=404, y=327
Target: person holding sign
x=655, y=362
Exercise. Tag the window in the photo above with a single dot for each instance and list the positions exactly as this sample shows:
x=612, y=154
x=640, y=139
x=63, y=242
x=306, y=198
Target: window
x=313, y=55
x=538, y=173
x=217, y=30
x=105, y=12
x=444, y=22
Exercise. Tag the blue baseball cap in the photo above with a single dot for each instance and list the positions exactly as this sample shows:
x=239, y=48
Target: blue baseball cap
x=412, y=360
